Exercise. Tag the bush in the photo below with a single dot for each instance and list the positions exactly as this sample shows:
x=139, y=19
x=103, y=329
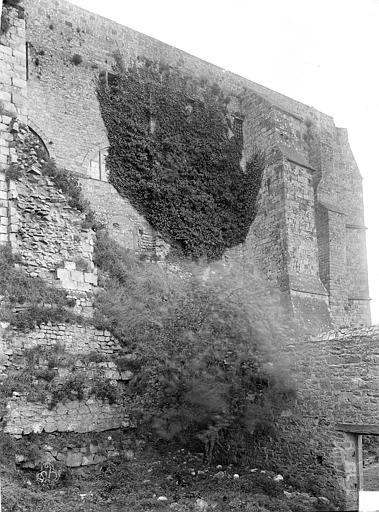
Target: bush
x=14, y=172
x=67, y=182
x=103, y=390
x=202, y=337
x=71, y=389
x=92, y=222
x=76, y=59
x=136, y=296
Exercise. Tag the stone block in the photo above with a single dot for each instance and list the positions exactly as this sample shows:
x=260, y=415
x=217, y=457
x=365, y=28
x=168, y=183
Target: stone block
x=5, y=96
x=99, y=458
x=77, y=275
x=88, y=460
x=63, y=274
x=93, y=448
x=127, y=375
x=6, y=119
x=70, y=265
x=5, y=50
x=74, y=459
x=73, y=405
x=90, y=278
x=50, y=427
x=85, y=287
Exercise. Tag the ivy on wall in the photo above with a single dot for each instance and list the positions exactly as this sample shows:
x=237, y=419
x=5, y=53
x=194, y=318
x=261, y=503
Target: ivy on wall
x=172, y=154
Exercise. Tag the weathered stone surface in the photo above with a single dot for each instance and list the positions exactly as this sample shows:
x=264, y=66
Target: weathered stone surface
x=307, y=217
x=24, y=418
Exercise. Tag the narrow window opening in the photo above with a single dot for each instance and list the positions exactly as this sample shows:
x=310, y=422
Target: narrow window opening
x=97, y=165
x=238, y=129
x=27, y=59
x=112, y=79
x=108, y=79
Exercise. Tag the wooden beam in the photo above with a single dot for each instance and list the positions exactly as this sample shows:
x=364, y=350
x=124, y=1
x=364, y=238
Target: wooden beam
x=356, y=428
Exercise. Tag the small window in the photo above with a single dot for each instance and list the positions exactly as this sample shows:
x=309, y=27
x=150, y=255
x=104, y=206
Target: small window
x=27, y=59
x=108, y=79
x=97, y=165
x=238, y=128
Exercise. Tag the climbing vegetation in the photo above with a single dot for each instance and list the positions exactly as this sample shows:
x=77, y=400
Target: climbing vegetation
x=29, y=301
x=173, y=155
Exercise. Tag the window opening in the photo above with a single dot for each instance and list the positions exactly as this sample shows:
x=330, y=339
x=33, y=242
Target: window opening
x=97, y=165
x=107, y=78
x=238, y=128
x=27, y=59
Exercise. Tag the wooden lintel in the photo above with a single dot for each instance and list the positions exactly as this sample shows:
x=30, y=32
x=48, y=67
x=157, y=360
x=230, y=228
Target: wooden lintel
x=357, y=428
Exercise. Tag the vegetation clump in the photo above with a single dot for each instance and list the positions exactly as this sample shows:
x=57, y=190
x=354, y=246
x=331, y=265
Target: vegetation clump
x=29, y=301
x=76, y=59
x=39, y=378
x=67, y=183
x=201, y=337
x=173, y=156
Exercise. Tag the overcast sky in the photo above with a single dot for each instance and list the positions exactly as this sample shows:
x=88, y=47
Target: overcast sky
x=324, y=53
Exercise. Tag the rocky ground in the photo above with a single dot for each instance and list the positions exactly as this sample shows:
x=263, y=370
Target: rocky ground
x=175, y=482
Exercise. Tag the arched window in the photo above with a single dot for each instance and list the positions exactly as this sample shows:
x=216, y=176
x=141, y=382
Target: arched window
x=40, y=140
x=97, y=167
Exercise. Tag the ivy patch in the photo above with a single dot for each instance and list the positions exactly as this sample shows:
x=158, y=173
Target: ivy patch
x=173, y=157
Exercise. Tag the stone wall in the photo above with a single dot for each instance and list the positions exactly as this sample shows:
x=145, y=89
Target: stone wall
x=337, y=375
x=76, y=450
x=308, y=236
x=305, y=150
x=74, y=344
x=89, y=415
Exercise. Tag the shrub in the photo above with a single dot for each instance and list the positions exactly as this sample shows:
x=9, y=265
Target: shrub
x=92, y=222
x=103, y=390
x=70, y=389
x=76, y=59
x=172, y=156
x=137, y=294
x=67, y=182
x=201, y=336
x=14, y=172
x=82, y=264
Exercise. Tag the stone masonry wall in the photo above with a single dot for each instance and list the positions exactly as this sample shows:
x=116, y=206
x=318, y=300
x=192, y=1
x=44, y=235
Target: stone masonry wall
x=63, y=109
x=12, y=103
x=87, y=415
x=76, y=450
x=338, y=381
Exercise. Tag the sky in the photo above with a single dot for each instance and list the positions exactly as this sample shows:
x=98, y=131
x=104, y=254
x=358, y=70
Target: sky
x=324, y=53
